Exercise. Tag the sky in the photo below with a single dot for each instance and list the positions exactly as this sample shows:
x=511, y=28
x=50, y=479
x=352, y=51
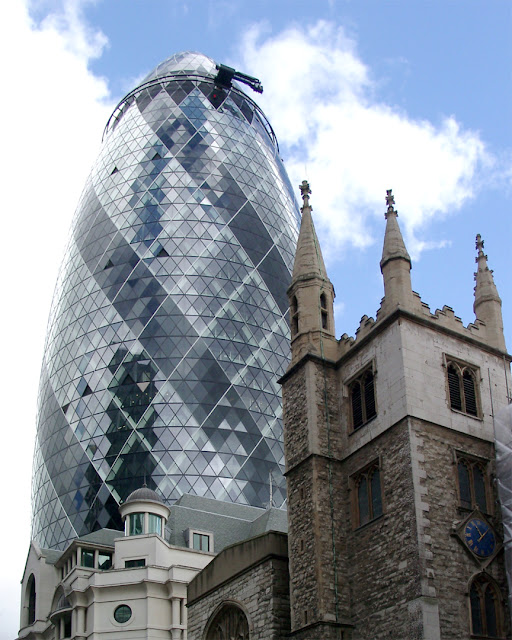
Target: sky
x=364, y=96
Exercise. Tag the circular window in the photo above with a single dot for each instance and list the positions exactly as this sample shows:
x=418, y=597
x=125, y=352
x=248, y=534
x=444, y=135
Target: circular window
x=123, y=613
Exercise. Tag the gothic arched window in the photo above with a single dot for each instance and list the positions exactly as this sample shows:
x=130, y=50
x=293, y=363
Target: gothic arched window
x=473, y=483
x=462, y=388
x=362, y=398
x=229, y=623
x=369, y=495
x=485, y=608
x=31, y=591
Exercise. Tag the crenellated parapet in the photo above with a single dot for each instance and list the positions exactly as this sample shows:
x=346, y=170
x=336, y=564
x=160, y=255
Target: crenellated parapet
x=399, y=298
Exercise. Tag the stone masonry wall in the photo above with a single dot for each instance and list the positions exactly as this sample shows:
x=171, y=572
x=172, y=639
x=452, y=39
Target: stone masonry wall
x=295, y=417
x=382, y=555
x=452, y=565
x=262, y=592
x=313, y=478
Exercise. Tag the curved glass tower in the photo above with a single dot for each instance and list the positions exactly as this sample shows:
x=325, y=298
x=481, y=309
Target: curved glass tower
x=169, y=328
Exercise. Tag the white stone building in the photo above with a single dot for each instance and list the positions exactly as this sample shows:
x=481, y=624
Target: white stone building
x=133, y=585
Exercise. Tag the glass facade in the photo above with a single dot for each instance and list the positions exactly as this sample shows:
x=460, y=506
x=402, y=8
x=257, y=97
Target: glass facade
x=169, y=325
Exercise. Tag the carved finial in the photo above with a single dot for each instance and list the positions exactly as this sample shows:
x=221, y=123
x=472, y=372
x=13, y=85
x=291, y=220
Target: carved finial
x=479, y=246
x=305, y=191
x=390, y=201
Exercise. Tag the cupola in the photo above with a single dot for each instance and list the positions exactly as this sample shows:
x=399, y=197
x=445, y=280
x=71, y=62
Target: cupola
x=144, y=512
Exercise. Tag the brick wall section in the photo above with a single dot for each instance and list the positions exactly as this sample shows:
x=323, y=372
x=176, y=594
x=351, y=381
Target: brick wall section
x=452, y=566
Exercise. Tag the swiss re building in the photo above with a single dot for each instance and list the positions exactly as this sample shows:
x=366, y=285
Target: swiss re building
x=169, y=326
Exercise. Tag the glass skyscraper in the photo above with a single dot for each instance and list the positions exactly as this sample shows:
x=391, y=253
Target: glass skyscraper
x=169, y=325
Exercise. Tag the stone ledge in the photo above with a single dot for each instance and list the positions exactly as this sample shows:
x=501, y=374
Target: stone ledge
x=237, y=559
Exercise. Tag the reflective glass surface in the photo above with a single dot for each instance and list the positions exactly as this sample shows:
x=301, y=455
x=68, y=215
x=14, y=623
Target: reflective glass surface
x=169, y=326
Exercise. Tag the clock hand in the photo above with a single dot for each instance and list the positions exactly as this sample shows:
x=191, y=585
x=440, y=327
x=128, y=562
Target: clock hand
x=483, y=534
x=476, y=527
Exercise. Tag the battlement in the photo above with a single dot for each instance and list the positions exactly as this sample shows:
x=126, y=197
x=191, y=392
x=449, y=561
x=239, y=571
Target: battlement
x=444, y=318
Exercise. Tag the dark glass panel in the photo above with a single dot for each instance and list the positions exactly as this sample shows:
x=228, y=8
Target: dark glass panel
x=464, y=484
x=469, y=393
x=369, y=396
x=490, y=612
x=201, y=542
x=136, y=524
x=87, y=558
x=454, y=388
x=376, y=494
x=479, y=487
x=362, y=500
x=476, y=610
x=67, y=625
x=32, y=600
x=130, y=564
x=357, y=408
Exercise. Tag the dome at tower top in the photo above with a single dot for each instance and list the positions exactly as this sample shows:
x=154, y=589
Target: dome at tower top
x=144, y=493
x=184, y=63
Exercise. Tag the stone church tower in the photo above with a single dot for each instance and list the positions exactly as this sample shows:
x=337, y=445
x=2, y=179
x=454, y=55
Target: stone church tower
x=394, y=524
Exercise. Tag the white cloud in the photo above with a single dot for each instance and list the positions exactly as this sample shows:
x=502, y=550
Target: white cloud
x=322, y=103
x=54, y=110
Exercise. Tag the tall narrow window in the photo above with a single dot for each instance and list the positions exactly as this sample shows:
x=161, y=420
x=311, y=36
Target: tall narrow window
x=136, y=524
x=87, y=558
x=31, y=599
x=369, y=495
x=154, y=524
x=362, y=398
x=462, y=388
x=294, y=310
x=485, y=607
x=323, y=311
x=473, y=483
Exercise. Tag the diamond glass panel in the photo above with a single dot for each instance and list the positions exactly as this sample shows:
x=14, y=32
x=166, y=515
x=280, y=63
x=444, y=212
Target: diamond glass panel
x=169, y=328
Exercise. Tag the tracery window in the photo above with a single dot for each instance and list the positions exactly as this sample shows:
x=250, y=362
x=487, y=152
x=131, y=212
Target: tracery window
x=362, y=398
x=229, y=623
x=463, y=388
x=473, y=483
x=368, y=494
x=485, y=608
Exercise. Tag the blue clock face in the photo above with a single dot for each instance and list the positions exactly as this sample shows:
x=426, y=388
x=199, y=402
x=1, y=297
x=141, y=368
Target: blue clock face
x=479, y=537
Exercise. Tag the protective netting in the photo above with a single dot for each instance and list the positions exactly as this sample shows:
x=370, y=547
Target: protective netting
x=503, y=432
